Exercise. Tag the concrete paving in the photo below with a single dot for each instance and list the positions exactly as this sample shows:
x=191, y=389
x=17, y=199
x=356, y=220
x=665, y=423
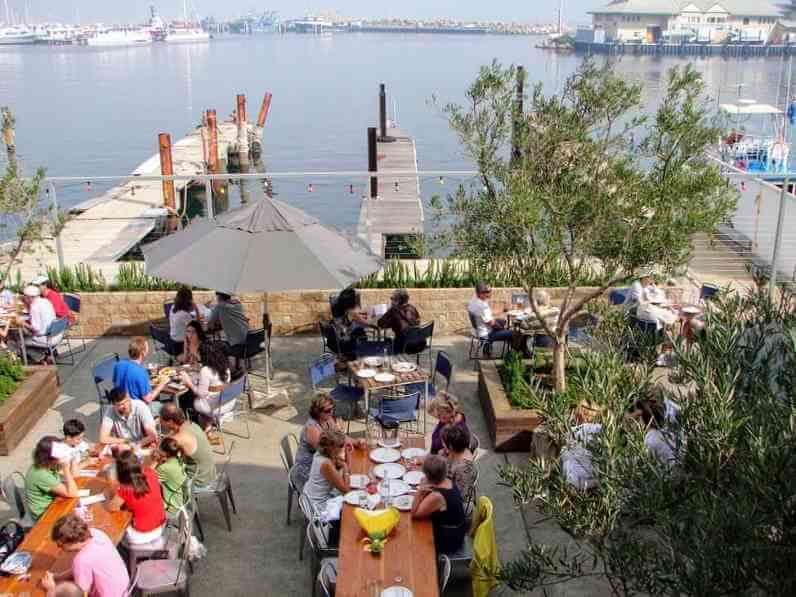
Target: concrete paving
x=260, y=555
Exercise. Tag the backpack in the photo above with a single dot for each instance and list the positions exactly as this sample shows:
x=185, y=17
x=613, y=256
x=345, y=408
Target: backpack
x=11, y=535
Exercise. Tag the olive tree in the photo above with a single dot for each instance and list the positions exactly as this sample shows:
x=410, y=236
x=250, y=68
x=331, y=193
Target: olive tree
x=563, y=182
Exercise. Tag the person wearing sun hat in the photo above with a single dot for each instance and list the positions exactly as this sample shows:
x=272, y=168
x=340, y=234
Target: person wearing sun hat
x=49, y=292
x=41, y=314
x=643, y=291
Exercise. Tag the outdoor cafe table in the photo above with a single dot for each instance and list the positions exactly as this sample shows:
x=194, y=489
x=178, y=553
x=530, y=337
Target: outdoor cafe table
x=370, y=384
x=409, y=554
x=47, y=556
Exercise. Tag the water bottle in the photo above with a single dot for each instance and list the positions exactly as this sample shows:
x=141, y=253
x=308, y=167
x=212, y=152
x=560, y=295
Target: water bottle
x=386, y=359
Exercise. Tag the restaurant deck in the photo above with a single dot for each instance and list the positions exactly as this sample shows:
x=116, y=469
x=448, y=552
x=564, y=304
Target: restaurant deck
x=260, y=556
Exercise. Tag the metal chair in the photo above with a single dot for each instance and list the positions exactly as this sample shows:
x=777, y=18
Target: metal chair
x=321, y=552
x=172, y=575
x=73, y=302
x=475, y=443
x=401, y=410
x=254, y=345
x=143, y=551
x=372, y=348
x=223, y=412
x=163, y=342
x=479, y=344
x=444, y=367
x=329, y=340
x=327, y=576
x=443, y=571
x=708, y=292
x=56, y=336
x=324, y=368
x=103, y=376
x=618, y=296
x=418, y=340
x=14, y=496
x=167, y=307
x=221, y=487
x=472, y=495
x=287, y=450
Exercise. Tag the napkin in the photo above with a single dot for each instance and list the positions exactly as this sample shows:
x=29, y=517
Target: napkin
x=334, y=508
x=83, y=492
x=89, y=473
x=93, y=499
x=373, y=501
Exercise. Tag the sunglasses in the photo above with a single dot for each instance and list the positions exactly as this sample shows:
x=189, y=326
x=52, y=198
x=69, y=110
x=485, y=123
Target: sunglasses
x=329, y=411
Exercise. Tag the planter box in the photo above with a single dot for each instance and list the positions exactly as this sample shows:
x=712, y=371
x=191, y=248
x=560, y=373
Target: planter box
x=511, y=428
x=23, y=409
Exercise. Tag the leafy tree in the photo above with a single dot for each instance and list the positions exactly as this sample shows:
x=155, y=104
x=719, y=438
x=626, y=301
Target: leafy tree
x=578, y=192
x=722, y=520
x=20, y=205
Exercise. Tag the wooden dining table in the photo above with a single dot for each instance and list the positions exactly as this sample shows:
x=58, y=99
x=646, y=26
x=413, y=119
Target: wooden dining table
x=47, y=556
x=409, y=558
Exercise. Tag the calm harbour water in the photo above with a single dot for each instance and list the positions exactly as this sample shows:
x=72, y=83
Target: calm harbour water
x=92, y=111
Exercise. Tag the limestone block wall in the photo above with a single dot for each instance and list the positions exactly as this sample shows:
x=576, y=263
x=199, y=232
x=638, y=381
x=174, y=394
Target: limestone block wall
x=129, y=313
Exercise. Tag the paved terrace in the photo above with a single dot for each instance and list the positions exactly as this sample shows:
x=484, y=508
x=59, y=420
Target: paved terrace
x=260, y=556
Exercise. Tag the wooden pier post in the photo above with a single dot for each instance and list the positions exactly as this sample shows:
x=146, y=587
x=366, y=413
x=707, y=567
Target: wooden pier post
x=167, y=169
x=212, y=154
x=257, y=135
x=243, y=130
x=264, y=109
x=373, y=163
x=383, y=137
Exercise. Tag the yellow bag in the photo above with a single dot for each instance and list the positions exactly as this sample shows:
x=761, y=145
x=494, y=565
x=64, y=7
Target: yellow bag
x=377, y=524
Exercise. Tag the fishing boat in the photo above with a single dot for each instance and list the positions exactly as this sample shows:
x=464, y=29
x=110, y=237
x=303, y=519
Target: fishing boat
x=16, y=35
x=119, y=36
x=757, y=141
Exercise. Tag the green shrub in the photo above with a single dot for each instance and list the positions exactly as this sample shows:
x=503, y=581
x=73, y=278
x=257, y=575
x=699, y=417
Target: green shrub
x=11, y=374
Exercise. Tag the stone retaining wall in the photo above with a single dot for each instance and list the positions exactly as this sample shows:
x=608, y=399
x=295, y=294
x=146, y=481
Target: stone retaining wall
x=129, y=313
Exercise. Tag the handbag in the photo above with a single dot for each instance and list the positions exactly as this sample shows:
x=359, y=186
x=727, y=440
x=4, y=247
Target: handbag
x=11, y=535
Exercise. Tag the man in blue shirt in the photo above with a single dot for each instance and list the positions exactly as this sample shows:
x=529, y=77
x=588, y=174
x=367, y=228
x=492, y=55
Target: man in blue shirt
x=131, y=375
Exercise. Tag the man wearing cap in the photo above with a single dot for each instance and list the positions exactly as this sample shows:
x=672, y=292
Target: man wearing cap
x=42, y=315
x=486, y=326
x=48, y=292
x=399, y=318
x=642, y=291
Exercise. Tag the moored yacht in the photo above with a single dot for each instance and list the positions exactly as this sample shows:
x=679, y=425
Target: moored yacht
x=188, y=34
x=122, y=36
x=16, y=35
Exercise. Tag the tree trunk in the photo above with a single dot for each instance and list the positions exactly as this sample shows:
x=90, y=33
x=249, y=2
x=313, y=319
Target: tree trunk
x=559, y=363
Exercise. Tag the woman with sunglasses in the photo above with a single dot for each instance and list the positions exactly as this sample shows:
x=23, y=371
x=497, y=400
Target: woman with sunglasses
x=321, y=419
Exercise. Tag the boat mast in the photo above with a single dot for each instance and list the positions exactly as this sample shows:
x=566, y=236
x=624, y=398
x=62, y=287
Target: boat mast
x=185, y=10
x=561, y=17
x=8, y=13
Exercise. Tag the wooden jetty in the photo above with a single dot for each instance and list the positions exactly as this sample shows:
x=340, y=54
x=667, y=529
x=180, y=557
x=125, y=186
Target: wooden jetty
x=392, y=213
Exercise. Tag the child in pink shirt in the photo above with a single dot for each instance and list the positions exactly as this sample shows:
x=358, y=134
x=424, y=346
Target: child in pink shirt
x=97, y=568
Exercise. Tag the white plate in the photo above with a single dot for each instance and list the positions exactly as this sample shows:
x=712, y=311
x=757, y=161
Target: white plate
x=366, y=373
x=358, y=481
x=385, y=455
x=403, y=503
x=358, y=497
x=373, y=361
x=690, y=310
x=410, y=453
x=384, y=378
x=384, y=443
x=390, y=470
x=403, y=367
x=414, y=477
x=396, y=592
x=397, y=487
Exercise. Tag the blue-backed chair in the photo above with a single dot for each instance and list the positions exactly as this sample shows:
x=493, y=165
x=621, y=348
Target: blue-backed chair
x=56, y=336
x=442, y=367
x=163, y=342
x=618, y=296
x=418, y=340
x=103, y=377
x=401, y=410
x=230, y=407
x=73, y=302
x=323, y=369
x=708, y=292
x=330, y=341
x=372, y=348
x=167, y=307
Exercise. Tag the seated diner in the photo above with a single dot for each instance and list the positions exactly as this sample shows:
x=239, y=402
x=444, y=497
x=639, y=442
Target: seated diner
x=50, y=292
x=349, y=322
x=97, y=568
x=49, y=476
x=131, y=376
x=205, y=392
x=440, y=500
x=183, y=311
x=461, y=461
x=642, y=291
x=399, y=318
x=229, y=316
x=194, y=337
x=486, y=326
x=329, y=476
x=139, y=492
x=127, y=422
x=446, y=410
x=171, y=473
x=41, y=316
x=192, y=440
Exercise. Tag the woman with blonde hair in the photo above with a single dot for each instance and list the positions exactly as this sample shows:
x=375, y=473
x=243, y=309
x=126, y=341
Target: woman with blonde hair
x=446, y=409
x=329, y=475
x=321, y=419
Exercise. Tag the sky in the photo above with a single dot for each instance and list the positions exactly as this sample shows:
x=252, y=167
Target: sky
x=533, y=11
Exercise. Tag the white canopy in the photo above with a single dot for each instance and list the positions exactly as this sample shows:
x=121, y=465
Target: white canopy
x=754, y=109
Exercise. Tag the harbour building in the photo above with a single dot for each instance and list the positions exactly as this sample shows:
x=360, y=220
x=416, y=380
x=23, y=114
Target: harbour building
x=687, y=21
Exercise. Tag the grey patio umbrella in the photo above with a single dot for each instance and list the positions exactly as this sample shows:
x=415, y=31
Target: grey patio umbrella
x=267, y=246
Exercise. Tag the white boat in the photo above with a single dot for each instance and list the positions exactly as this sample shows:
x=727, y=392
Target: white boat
x=120, y=37
x=16, y=35
x=58, y=34
x=186, y=35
